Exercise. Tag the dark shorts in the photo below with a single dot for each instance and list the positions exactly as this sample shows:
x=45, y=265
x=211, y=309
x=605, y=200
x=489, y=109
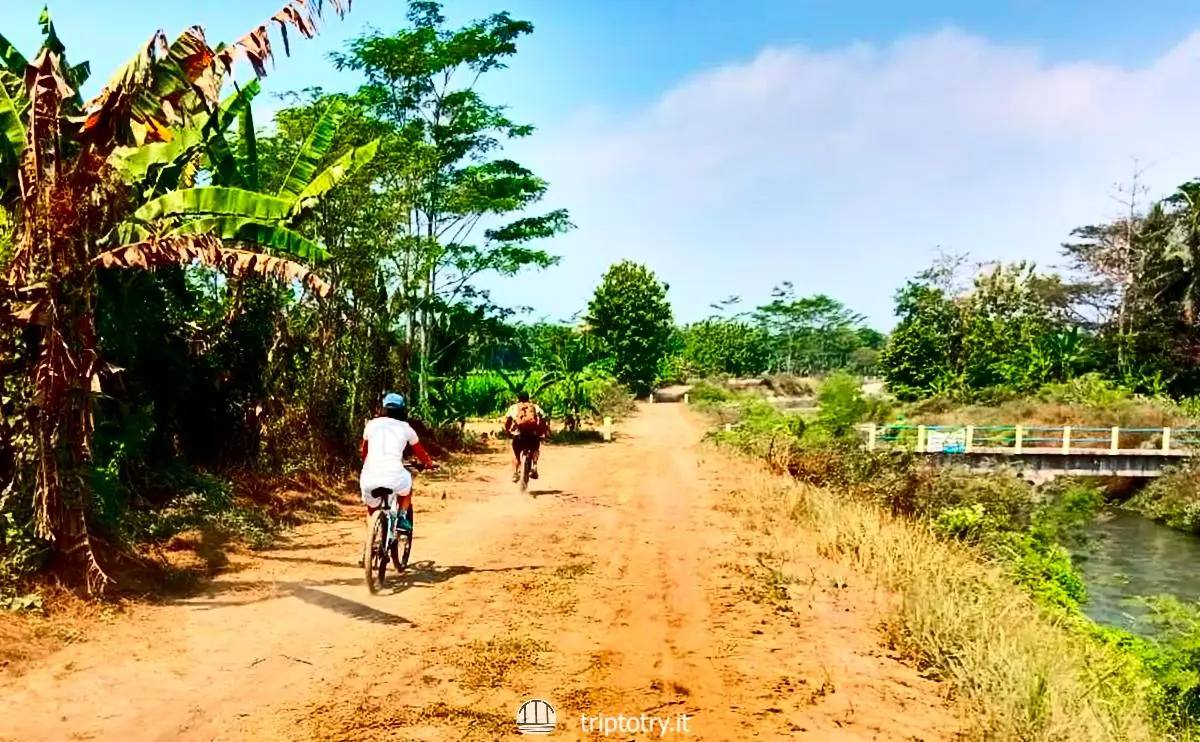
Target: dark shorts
x=526, y=442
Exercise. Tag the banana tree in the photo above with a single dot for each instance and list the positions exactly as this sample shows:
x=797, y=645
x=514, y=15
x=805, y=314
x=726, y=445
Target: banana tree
x=568, y=360
x=234, y=208
x=75, y=213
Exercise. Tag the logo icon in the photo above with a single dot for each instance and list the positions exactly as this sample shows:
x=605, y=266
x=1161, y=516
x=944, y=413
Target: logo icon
x=536, y=717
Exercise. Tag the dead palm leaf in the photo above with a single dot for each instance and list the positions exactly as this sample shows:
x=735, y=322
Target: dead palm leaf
x=164, y=85
x=209, y=250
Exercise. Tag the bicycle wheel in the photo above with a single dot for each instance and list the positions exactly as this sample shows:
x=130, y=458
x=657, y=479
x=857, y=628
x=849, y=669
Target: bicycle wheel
x=374, y=559
x=407, y=538
x=526, y=467
x=381, y=570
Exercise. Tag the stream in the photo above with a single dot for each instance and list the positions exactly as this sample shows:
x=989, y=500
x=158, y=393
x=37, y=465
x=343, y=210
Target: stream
x=1130, y=555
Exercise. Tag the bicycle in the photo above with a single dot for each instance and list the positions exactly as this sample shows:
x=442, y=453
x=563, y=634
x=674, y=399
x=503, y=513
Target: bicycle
x=384, y=536
x=526, y=465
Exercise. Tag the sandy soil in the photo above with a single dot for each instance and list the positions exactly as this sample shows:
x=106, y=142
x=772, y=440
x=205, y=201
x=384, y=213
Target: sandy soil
x=618, y=586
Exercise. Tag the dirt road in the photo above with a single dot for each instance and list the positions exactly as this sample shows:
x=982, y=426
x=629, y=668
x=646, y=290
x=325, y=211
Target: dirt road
x=620, y=587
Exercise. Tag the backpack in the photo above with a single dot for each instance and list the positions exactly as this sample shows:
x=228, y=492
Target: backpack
x=526, y=417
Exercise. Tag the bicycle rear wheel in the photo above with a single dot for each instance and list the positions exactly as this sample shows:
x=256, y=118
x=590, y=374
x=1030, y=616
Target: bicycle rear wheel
x=407, y=538
x=526, y=467
x=374, y=556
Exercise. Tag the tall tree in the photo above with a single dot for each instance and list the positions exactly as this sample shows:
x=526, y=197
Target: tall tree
x=631, y=316
x=438, y=165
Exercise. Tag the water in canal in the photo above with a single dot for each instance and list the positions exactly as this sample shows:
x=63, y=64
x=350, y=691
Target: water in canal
x=1129, y=555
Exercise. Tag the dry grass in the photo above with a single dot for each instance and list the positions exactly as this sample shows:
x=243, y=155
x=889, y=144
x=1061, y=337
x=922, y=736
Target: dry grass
x=28, y=637
x=375, y=719
x=491, y=663
x=1020, y=673
x=1129, y=413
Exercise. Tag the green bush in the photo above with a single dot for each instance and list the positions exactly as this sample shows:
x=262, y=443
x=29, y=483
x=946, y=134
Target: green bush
x=963, y=522
x=1173, y=498
x=21, y=554
x=1089, y=390
x=204, y=503
x=842, y=404
x=706, y=392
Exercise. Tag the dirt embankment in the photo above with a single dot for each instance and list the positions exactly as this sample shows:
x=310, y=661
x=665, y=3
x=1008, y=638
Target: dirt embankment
x=622, y=586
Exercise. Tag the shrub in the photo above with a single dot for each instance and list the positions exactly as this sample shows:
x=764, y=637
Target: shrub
x=1173, y=498
x=842, y=404
x=610, y=398
x=1089, y=390
x=708, y=393
x=20, y=556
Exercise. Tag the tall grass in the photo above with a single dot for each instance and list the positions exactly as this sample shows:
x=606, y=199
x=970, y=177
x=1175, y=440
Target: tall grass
x=1022, y=673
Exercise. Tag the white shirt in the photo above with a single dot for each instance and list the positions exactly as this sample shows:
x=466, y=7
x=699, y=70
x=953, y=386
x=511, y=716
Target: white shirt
x=386, y=440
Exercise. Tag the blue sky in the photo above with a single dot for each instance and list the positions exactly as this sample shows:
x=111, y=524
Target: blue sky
x=731, y=146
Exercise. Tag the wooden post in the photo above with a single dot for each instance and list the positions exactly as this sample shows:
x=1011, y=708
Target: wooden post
x=921, y=438
x=1166, y=440
x=1066, y=439
x=970, y=442
x=1116, y=440
x=1019, y=444
x=608, y=428
x=871, y=437
x=685, y=398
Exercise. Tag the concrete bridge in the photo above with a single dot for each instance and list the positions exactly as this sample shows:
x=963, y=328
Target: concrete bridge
x=1041, y=453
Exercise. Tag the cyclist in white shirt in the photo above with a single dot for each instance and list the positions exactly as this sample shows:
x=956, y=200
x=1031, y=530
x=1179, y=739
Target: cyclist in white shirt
x=383, y=444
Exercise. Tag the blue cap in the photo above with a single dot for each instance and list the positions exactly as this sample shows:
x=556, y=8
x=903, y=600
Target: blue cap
x=393, y=400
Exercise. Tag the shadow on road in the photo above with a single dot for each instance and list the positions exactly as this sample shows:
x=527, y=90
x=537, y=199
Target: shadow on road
x=347, y=607
x=419, y=574
x=427, y=573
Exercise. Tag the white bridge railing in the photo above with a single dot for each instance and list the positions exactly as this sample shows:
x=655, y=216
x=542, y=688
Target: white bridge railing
x=1018, y=440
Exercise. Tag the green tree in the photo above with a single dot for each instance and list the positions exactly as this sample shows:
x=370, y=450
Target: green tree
x=813, y=334
x=923, y=355
x=631, y=316
x=724, y=346
x=438, y=168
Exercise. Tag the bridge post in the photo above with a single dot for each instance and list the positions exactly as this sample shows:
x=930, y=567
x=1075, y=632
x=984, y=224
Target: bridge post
x=1116, y=440
x=1019, y=444
x=921, y=438
x=969, y=443
x=1166, y=440
x=871, y=437
x=1066, y=446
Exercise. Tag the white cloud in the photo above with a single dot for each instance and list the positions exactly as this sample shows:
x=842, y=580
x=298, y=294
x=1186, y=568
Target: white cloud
x=842, y=170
